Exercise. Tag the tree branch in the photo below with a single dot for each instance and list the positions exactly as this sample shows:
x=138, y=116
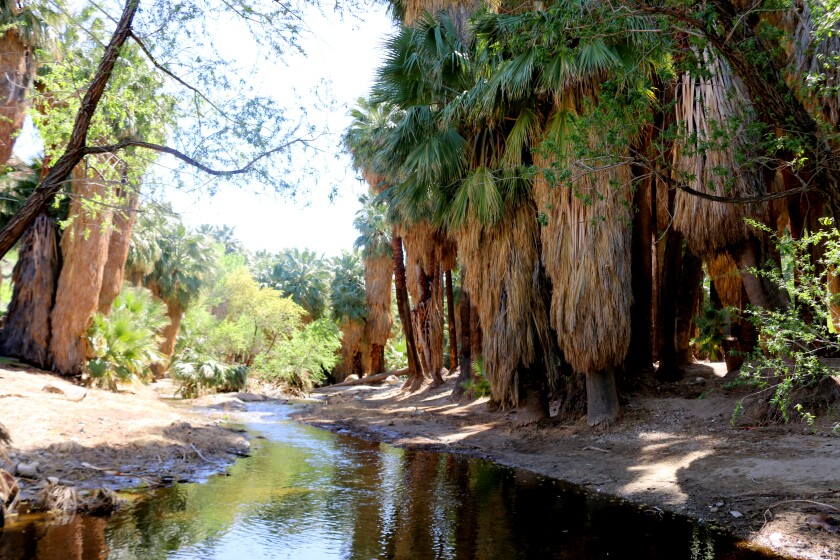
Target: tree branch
x=187, y=159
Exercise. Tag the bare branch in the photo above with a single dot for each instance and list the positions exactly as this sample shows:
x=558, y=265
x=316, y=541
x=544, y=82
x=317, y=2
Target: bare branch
x=187, y=159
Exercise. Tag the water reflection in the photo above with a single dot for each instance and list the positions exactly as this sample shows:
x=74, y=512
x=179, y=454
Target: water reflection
x=309, y=494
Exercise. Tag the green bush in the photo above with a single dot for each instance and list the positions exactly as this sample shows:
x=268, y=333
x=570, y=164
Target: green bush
x=788, y=364
x=200, y=374
x=125, y=343
x=301, y=361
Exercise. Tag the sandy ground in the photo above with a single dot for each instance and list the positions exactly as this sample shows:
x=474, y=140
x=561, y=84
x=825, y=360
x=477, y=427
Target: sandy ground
x=673, y=448
x=82, y=438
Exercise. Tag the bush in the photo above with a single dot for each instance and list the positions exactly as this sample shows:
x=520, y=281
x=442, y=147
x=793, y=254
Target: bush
x=303, y=360
x=788, y=364
x=198, y=375
x=125, y=343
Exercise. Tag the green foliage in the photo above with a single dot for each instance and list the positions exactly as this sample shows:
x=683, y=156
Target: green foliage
x=371, y=222
x=787, y=365
x=301, y=361
x=200, y=374
x=300, y=275
x=713, y=325
x=347, y=290
x=125, y=343
x=478, y=386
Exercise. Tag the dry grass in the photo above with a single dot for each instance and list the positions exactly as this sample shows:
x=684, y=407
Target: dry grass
x=586, y=250
x=84, y=246
x=504, y=279
x=706, y=108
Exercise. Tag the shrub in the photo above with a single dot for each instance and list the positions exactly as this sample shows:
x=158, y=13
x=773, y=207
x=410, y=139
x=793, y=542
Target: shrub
x=125, y=343
x=199, y=374
x=788, y=364
x=301, y=361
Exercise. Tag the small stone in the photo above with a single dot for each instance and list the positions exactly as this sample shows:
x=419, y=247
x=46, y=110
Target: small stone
x=718, y=504
x=52, y=479
x=52, y=389
x=27, y=470
x=736, y=514
x=713, y=509
x=392, y=380
x=699, y=379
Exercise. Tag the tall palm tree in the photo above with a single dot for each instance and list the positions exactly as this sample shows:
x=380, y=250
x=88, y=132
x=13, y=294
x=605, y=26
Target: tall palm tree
x=350, y=311
x=375, y=244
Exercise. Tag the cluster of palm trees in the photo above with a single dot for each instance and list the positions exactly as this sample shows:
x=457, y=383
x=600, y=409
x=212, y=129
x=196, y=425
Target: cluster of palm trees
x=576, y=160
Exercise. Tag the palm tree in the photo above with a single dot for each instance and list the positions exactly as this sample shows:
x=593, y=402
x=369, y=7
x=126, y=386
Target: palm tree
x=302, y=276
x=455, y=157
x=177, y=279
x=375, y=244
x=350, y=311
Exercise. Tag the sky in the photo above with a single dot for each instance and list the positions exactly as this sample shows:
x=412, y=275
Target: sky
x=341, y=52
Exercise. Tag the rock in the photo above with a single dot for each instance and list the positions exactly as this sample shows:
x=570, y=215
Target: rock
x=52, y=389
x=27, y=470
x=351, y=377
x=392, y=380
x=736, y=514
x=53, y=479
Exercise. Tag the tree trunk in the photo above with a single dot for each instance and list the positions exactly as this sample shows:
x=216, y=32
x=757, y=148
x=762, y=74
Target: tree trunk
x=377, y=358
x=533, y=396
x=601, y=398
x=26, y=334
x=640, y=353
x=170, y=336
x=759, y=291
x=450, y=315
x=691, y=280
x=17, y=66
x=84, y=246
x=114, y=273
x=668, y=300
x=465, y=359
x=415, y=374
x=434, y=318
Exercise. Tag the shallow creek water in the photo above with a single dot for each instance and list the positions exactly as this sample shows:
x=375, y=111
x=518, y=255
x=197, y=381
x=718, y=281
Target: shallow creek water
x=311, y=494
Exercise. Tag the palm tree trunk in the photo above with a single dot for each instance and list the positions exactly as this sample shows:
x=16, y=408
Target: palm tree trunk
x=114, y=273
x=450, y=314
x=170, y=336
x=640, y=353
x=691, y=280
x=26, y=334
x=85, y=250
x=434, y=319
x=415, y=374
x=17, y=66
x=668, y=301
x=465, y=358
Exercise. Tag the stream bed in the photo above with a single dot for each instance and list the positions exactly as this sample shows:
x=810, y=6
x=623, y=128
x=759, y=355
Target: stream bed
x=306, y=493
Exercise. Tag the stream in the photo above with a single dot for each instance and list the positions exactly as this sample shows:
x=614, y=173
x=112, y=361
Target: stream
x=306, y=493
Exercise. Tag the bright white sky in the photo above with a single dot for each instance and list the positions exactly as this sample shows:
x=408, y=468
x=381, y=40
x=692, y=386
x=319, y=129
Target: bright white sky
x=345, y=54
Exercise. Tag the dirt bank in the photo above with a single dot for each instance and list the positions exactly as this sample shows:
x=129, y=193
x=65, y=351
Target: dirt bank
x=67, y=435
x=673, y=448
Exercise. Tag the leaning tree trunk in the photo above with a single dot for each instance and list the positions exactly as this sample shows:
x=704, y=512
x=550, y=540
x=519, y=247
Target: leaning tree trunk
x=114, y=273
x=415, y=373
x=17, y=67
x=84, y=246
x=26, y=334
